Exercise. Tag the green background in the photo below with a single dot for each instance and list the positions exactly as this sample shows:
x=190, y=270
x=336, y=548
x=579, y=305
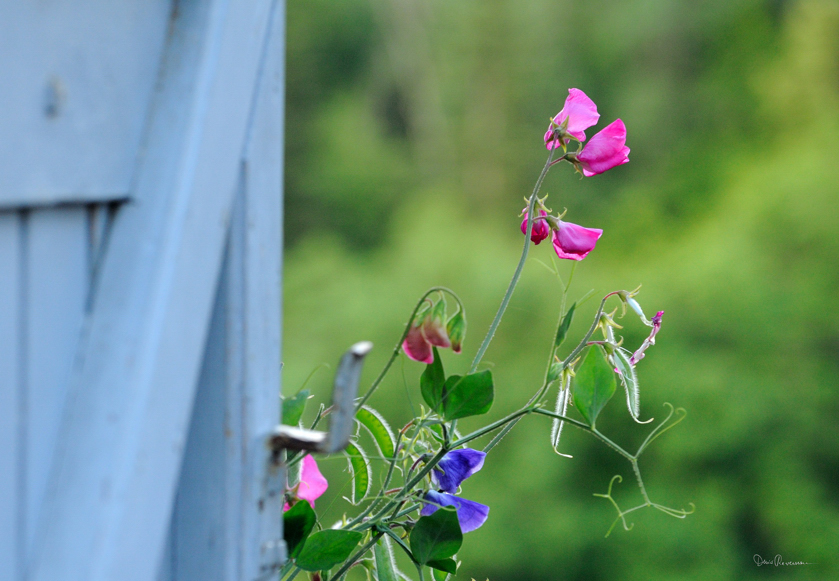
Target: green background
x=414, y=129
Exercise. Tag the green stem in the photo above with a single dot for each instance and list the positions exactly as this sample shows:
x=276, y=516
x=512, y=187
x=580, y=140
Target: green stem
x=506, y=300
x=349, y=563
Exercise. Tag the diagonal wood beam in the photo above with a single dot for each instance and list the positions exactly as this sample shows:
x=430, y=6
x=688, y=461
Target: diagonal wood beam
x=121, y=443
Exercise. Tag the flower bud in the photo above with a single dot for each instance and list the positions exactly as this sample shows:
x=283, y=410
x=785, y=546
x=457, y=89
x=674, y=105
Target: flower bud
x=434, y=325
x=574, y=242
x=456, y=328
x=415, y=345
x=540, y=229
x=555, y=371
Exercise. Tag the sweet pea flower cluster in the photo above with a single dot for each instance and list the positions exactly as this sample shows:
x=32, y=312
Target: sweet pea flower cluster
x=455, y=467
x=430, y=329
x=607, y=149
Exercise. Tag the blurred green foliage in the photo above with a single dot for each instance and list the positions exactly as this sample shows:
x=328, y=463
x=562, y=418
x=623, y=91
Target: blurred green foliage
x=414, y=129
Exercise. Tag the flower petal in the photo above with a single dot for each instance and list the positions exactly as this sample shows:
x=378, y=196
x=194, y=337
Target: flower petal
x=471, y=515
x=312, y=483
x=605, y=150
x=581, y=113
x=574, y=242
x=456, y=466
x=416, y=347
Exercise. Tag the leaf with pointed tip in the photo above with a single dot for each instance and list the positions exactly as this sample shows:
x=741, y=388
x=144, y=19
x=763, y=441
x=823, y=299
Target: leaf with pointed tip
x=470, y=395
x=432, y=381
x=436, y=536
x=594, y=384
x=360, y=469
x=378, y=428
x=298, y=522
x=562, y=331
x=325, y=549
x=446, y=565
x=294, y=406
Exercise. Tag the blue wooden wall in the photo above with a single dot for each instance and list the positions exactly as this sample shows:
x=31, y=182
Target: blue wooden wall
x=140, y=232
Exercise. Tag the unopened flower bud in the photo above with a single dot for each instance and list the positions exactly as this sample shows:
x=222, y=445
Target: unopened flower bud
x=434, y=325
x=456, y=328
x=540, y=229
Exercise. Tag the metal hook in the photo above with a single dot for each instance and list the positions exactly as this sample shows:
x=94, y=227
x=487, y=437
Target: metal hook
x=344, y=393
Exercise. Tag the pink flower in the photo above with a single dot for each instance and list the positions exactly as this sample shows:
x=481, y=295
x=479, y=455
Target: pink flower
x=574, y=242
x=416, y=347
x=540, y=230
x=606, y=150
x=578, y=114
x=312, y=483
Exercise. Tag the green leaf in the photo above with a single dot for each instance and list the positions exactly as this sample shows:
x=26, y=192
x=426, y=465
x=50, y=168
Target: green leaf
x=298, y=522
x=432, y=381
x=360, y=469
x=436, y=537
x=325, y=549
x=447, y=565
x=629, y=379
x=385, y=563
x=378, y=428
x=564, y=325
x=594, y=384
x=470, y=395
x=294, y=406
x=439, y=575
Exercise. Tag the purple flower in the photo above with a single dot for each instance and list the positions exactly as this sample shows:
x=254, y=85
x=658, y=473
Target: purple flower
x=455, y=467
x=471, y=515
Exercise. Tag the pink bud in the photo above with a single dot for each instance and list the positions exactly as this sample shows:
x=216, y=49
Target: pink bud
x=581, y=113
x=416, y=347
x=606, y=150
x=540, y=229
x=574, y=242
x=434, y=326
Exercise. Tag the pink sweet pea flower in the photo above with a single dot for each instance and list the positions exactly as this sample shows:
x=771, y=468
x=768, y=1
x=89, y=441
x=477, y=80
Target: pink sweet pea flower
x=540, y=230
x=416, y=346
x=574, y=242
x=580, y=113
x=312, y=483
x=606, y=150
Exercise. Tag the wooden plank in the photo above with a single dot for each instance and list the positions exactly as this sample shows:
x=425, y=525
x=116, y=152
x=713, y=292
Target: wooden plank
x=11, y=554
x=57, y=284
x=128, y=413
x=226, y=525
x=260, y=538
x=199, y=548
x=77, y=79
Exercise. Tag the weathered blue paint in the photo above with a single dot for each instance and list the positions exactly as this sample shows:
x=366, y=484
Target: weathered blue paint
x=77, y=80
x=104, y=323
x=11, y=501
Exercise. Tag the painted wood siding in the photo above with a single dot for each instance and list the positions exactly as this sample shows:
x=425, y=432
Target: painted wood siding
x=140, y=268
